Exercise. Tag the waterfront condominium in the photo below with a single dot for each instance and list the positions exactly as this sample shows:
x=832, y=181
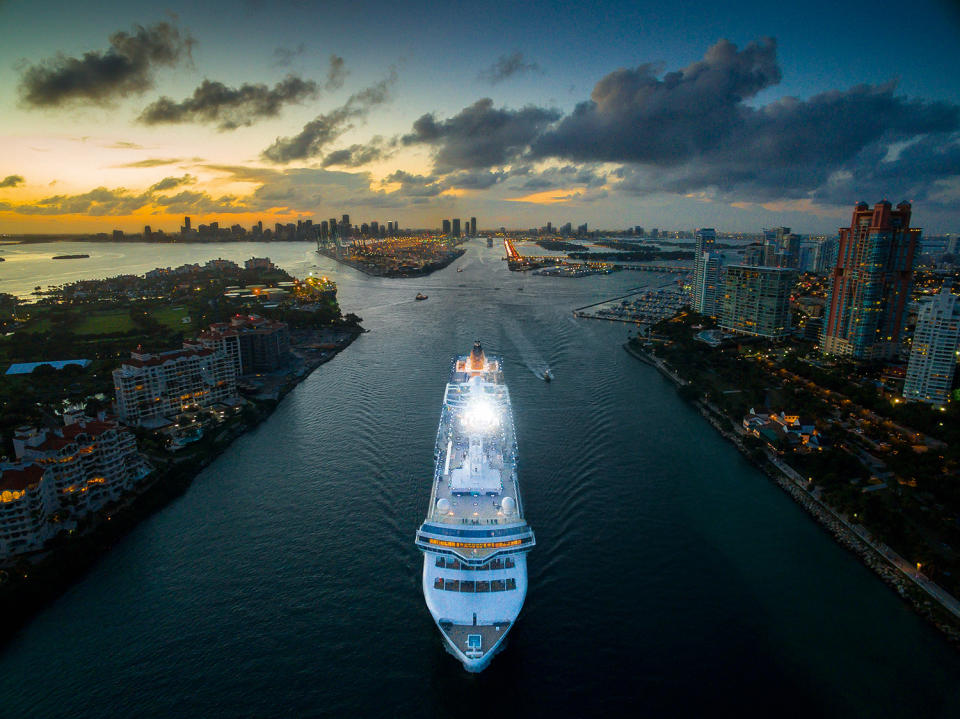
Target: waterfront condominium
x=870, y=283
x=706, y=273
x=756, y=300
x=60, y=476
x=933, y=357
x=154, y=388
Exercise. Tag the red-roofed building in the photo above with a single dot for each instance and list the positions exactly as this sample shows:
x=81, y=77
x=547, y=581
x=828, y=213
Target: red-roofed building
x=87, y=463
x=27, y=501
x=151, y=387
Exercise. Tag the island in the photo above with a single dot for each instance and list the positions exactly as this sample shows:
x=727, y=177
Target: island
x=414, y=256
x=234, y=341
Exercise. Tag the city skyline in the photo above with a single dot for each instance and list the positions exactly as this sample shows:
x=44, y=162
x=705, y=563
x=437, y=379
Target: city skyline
x=124, y=116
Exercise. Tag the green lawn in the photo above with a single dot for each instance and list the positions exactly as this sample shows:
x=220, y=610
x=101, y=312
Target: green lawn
x=172, y=317
x=104, y=322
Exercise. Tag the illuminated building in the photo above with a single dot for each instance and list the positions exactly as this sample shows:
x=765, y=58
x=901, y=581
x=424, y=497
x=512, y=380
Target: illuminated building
x=153, y=387
x=870, y=283
x=756, y=300
x=706, y=273
x=933, y=355
x=26, y=503
x=88, y=462
x=781, y=248
x=475, y=538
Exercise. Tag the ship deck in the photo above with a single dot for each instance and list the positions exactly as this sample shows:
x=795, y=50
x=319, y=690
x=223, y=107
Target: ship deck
x=476, y=464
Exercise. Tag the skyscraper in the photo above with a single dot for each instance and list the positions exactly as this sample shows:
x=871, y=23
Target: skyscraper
x=706, y=272
x=446, y=227
x=781, y=248
x=933, y=357
x=753, y=255
x=870, y=283
x=709, y=284
x=473, y=226
x=455, y=231
x=756, y=300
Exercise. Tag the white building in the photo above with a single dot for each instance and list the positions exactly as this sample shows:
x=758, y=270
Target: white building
x=709, y=286
x=27, y=501
x=87, y=463
x=933, y=357
x=151, y=387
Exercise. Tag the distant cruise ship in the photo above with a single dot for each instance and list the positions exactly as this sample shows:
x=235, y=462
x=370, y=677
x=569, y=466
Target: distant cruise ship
x=475, y=538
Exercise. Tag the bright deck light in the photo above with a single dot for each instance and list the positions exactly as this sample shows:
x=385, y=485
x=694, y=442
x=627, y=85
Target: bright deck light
x=480, y=415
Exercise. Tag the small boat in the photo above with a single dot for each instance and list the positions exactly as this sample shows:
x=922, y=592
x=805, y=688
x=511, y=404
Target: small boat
x=548, y=376
x=420, y=296
x=459, y=269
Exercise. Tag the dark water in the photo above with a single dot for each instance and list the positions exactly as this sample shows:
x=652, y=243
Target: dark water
x=670, y=578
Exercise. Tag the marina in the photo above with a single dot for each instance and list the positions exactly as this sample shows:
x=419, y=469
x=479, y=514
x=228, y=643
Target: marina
x=643, y=307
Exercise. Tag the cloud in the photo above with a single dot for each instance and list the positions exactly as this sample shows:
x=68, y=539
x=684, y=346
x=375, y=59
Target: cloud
x=285, y=56
x=324, y=129
x=555, y=177
x=120, y=145
x=168, y=183
x=635, y=116
x=693, y=130
x=153, y=162
x=103, y=201
x=507, y=66
x=336, y=74
x=357, y=155
x=480, y=135
x=99, y=77
x=230, y=108
x=12, y=181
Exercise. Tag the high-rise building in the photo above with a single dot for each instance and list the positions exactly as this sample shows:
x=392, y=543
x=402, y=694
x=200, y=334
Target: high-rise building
x=446, y=227
x=473, y=226
x=150, y=387
x=756, y=300
x=706, y=272
x=709, y=284
x=870, y=283
x=455, y=230
x=753, y=255
x=933, y=356
x=781, y=248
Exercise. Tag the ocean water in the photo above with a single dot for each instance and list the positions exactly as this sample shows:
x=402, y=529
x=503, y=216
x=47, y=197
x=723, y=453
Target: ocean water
x=671, y=578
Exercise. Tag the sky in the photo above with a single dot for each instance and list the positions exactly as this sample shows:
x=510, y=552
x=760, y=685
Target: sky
x=672, y=115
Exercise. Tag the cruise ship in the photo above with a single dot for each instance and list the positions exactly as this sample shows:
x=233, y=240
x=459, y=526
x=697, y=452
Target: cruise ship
x=475, y=539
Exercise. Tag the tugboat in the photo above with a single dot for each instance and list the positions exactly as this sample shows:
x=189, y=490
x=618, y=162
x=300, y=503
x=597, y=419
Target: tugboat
x=420, y=296
x=548, y=376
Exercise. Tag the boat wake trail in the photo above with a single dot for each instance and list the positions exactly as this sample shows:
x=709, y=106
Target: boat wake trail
x=529, y=356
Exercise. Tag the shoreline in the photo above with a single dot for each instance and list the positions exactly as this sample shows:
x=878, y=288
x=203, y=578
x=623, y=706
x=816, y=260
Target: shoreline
x=879, y=559
x=32, y=584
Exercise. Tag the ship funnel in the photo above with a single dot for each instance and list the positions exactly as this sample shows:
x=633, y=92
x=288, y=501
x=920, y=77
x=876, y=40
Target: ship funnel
x=477, y=359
